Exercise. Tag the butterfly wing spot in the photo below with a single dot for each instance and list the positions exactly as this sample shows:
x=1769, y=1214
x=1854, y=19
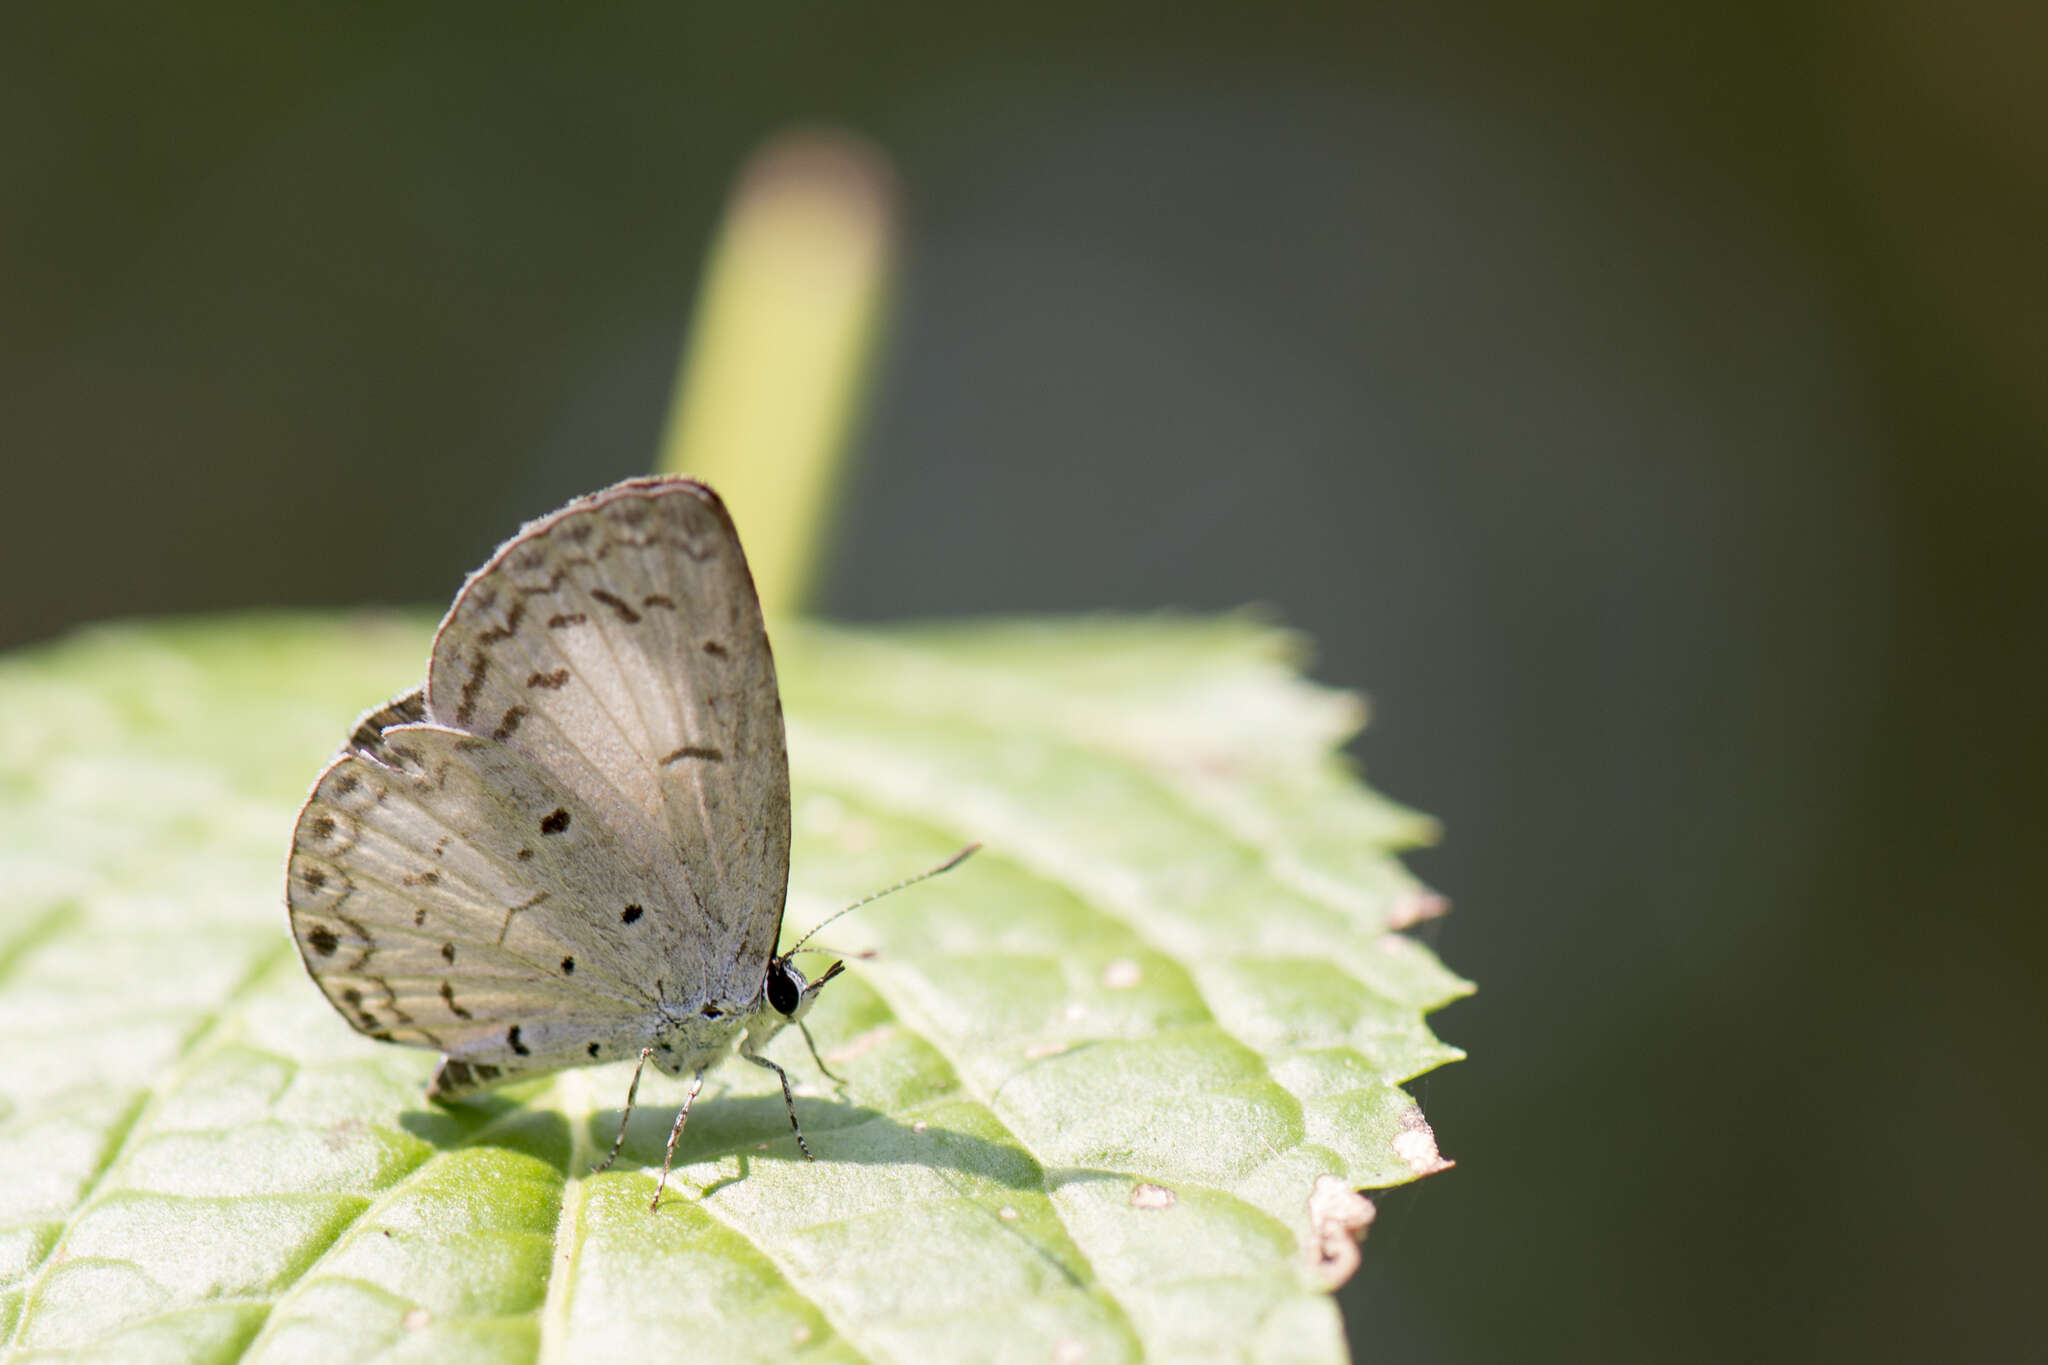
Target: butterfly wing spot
x=391, y=1000
x=563, y=620
x=510, y=627
x=592, y=1049
x=323, y=941
x=427, y=878
x=506, y=927
x=657, y=599
x=510, y=723
x=448, y=953
x=512, y=1041
x=448, y=998
x=703, y=751
x=479, y=669
x=525, y=855
x=553, y=682
x=630, y=913
x=617, y=604
x=362, y=932
x=714, y=649
x=568, y=966
x=369, y=728
x=327, y=832
x=555, y=821
x=354, y=999
x=317, y=887
x=457, y=1078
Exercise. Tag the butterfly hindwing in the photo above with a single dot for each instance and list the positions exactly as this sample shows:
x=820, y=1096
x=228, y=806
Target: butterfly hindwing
x=618, y=645
x=453, y=895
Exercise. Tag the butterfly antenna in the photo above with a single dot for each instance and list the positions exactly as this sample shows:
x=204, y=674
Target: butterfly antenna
x=947, y=866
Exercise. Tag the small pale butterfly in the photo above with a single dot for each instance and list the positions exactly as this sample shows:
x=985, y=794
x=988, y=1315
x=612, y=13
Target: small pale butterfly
x=572, y=845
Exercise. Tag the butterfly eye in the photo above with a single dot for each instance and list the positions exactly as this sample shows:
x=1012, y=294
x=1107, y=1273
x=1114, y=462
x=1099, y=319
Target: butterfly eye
x=785, y=987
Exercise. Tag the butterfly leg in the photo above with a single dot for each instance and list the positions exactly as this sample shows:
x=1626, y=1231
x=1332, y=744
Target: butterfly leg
x=788, y=1099
x=813, y=1046
x=668, y=1157
x=631, y=1091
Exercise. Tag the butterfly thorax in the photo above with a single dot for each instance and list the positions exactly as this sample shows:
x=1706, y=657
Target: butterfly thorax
x=695, y=1042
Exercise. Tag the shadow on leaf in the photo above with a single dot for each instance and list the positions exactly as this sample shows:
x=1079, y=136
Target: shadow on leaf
x=747, y=1127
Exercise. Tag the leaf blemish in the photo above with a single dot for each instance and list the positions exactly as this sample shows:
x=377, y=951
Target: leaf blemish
x=1152, y=1197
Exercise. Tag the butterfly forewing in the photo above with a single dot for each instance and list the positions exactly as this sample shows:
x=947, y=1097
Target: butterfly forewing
x=618, y=645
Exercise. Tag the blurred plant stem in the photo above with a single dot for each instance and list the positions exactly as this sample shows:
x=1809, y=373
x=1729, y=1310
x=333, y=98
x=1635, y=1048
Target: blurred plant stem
x=771, y=382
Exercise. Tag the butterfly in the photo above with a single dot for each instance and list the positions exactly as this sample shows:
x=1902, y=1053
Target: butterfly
x=571, y=846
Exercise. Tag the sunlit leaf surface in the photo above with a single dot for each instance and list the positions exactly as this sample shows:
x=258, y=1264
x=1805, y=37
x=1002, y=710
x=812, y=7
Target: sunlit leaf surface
x=1094, y=1075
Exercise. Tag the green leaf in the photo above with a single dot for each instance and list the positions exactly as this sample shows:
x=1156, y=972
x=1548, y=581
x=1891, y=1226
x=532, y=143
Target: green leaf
x=1095, y=1075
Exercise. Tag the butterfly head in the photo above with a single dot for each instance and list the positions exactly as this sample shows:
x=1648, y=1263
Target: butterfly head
x=789, y=994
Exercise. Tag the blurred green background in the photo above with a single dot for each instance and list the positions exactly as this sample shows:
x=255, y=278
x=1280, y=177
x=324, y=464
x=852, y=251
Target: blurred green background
x=1644, y=405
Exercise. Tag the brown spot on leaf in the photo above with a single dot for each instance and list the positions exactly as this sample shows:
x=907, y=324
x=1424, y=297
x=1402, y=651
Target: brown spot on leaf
x=1152, y=1197
x=1415, y=1144
x=1338, y=1217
